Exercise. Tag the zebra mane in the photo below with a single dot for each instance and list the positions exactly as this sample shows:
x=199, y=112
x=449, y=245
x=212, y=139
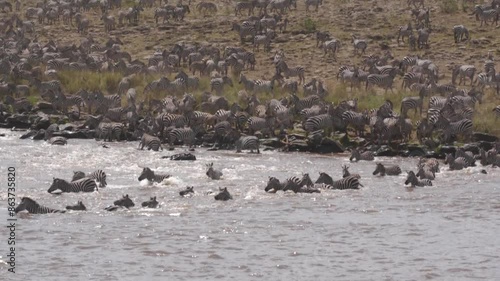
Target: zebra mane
x=30, y=201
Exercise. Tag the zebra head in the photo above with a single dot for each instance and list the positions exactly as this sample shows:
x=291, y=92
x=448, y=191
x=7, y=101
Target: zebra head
x=78, y=207
x=306, y=180
x=187, y=191
x=57, y=185
x=223, y=195
x=355, y=155
x=146, y=174
x=379, y=169
x=151, y=203
x=324, y=178
x=25, y=203
x=411, y=178
x=78, y=175
x=273, y=183
x=124, y=202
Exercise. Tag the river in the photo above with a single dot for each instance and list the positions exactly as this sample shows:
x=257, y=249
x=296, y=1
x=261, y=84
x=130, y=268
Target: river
x=384, y=231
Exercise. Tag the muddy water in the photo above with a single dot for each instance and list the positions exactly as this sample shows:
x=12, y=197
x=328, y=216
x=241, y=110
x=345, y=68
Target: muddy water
x=383, y=231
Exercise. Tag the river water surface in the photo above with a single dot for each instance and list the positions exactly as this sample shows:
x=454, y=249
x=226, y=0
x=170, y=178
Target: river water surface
x=384, y=231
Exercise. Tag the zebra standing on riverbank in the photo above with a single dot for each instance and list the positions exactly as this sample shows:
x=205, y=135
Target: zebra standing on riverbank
x=460, y=32
x=81, y=185
x=33, y=207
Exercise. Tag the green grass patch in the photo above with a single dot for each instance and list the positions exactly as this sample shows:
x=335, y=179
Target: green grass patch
x=448, y=6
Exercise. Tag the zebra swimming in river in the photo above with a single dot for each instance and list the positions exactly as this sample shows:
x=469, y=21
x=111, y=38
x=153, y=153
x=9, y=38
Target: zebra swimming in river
x=33, y=207
x=81, y=185
x=148, y=174
x=98, y=175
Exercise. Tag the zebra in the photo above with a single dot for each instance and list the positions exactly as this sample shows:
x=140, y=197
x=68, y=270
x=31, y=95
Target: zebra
x=281, y=5
x=359, y=45
x=150, y=142
x=390, y=170
x=318, y=122
x=107, y=101
x=64, y=102
x=383, y=80
x=346, y=173
x=124, y=202
x=217, y=84
x=356, y=120
x=247, y=83
x=244, y=30
x=322, y=37
x=463, y=126
x=297, y=71
x=485, y=15
x=161, y=13
x=98, y=175
x=404, y=31
x=332, y=45
x=110, y=130
x=460, y=32
x=423, y=38
x=414, y=181
x=455, y=163
x=78, y=207
x=81, y=185
x=33, y=207
x=263, y=86
x=265, y=40
x=151, y=176
x=223, y=195
x=189, y=190
x=109, y=22
x=420, y=3
x=248, y=142
x=212, y=173
x=415, y=103
x=185, y=135
x=264, y=125
x=245, y=6
x=151, y=203
x=411, y=78
x=357, y=155
x=463, y=71
x=467, y=155
x=274, y=184
x=346, y=183
x=425, y=172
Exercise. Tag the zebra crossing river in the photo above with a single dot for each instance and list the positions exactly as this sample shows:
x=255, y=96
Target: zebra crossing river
x=383, y=231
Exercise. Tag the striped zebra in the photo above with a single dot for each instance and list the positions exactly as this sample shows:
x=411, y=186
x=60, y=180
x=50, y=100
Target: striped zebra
x=151, y=176
x=322, y=37
x=425, y=172
x=484, y=15
x=217, y=84
x=469, y=157
x=108, y=131
x=184, y=135
x=496, y=111
x=346, y=173
x=423, y=38
x=263, y=125
x=62, y=101
x=357, y=155
x=455, y=164
x=107, y=101
x=281, y=5
x=274, y=184
x=450, y=129
x=411, y=78
x=382, y=80
x=331, y=46
x=415, y=103
x=213, y=173
x=493, y=158
x=390, y=170
x=206, y=7
x=247, y=83
x=319, y=122
x=244, y=30
x=463, y=71
x=304, y=103
x=81, y=185
x=297, y=71
x=346, y=183
x=33, y=207
x=78, y=207
x=250, y=6
x=53, y=85
x=150, y=142
x=412, y=179
x=248, y=142
x=460, y=33
x=357, y=120
x=264, y=40
x=263, y=86
x=98, y=175
x=404, y=31
x=360, y=45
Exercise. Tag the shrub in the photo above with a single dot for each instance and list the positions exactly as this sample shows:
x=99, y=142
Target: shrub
x=309, y=25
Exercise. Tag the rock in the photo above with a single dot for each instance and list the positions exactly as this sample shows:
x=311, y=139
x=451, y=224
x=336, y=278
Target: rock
x=447, y=149
x=80, y=134
x=385, y=150
x=18, y=121
x=28, y=134
x=484, y=137
x=41, y=123
x=414, y=151
x=40, y=135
